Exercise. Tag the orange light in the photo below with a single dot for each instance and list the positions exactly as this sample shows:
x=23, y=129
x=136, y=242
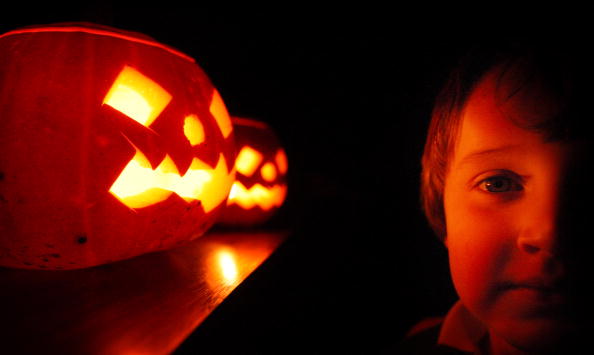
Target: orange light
x=268, y=172
x=193, y=130
x=219, y=111
x=137, y=96
x=227, y=267
x=138, y=185
x=257, y=195
x=281, y=161
x=247, y=161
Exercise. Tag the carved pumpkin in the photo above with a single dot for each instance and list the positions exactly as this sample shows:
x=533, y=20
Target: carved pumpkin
x=111, y=145
x=261, y=166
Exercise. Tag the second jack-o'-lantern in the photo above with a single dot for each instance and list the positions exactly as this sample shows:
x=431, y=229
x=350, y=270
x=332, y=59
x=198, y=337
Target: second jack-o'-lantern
x=261, y=165
x=111, y=145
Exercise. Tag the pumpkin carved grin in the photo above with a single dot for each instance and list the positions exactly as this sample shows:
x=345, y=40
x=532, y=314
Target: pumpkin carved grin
x=257, y=196
x=139, y=185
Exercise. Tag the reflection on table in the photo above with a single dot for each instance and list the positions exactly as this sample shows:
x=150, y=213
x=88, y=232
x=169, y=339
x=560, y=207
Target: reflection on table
x=145, y=305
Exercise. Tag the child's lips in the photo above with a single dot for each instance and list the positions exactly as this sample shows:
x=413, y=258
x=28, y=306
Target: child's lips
x=537, y=291
x=536, y=284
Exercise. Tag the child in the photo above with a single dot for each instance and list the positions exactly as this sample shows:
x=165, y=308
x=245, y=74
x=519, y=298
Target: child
x=504, y=187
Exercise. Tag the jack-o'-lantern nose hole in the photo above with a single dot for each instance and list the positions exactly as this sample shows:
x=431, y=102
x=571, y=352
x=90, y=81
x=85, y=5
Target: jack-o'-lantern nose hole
x=268, y=172
x=193, y=130
x=137, y=96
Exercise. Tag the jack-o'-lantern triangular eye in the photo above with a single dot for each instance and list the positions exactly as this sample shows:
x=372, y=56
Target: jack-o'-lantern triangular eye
x=248, y=161
x=219, y=111
x=281, y=161
x=137, y=96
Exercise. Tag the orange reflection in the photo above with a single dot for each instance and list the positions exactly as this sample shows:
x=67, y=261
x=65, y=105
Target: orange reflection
x=231, y=259
x=247, y=161
x=193, y=130
x=268, y=172
x=219, y=111
x=137, y=96
x=138, y=185
x=281, y=161
x=227, y=267
x=257, y=195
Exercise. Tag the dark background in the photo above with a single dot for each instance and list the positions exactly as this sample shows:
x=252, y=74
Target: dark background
x=349, y=92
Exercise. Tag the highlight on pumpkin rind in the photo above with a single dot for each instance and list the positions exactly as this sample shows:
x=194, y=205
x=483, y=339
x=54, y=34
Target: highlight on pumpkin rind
x=257, y=195
x=248, y=160
x=137, y=96
x=131, y=37
x=138, y=185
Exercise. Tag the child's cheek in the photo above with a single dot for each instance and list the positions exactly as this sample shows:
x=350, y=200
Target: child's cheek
x=480, y=242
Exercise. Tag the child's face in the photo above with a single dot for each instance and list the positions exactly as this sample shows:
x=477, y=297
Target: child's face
x=502, y=200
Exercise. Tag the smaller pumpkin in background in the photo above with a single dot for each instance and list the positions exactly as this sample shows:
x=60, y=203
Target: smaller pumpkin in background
x=260, y=186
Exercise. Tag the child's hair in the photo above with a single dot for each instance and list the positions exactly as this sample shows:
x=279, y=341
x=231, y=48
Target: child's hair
x=522, y=68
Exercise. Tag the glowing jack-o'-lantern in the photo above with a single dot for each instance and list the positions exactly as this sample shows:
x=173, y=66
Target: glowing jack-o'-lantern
x=261, y=165
x=111, y=145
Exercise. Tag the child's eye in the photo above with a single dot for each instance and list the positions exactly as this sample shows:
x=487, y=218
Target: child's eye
x=499, y=184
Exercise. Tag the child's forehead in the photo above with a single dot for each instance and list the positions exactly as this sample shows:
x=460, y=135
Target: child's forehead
x=522, y=96
x=496, y=116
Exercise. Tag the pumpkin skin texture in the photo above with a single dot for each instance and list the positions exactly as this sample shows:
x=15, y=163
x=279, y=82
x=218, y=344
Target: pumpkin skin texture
x=89, y=114
x=261, y=165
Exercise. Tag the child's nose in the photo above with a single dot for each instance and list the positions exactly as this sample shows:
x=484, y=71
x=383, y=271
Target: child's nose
x=542, y=240
x=541, y=230
x=559, y=217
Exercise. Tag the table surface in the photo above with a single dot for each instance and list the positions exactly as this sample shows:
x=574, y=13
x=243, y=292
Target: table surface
x=145, y=305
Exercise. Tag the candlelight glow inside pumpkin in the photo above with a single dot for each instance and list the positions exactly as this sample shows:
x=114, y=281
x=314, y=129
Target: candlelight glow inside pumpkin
x=257, y=196
x=137, y=96
x=260, y=185
x=132, y=137
x=139, y=185
x=193, y=130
